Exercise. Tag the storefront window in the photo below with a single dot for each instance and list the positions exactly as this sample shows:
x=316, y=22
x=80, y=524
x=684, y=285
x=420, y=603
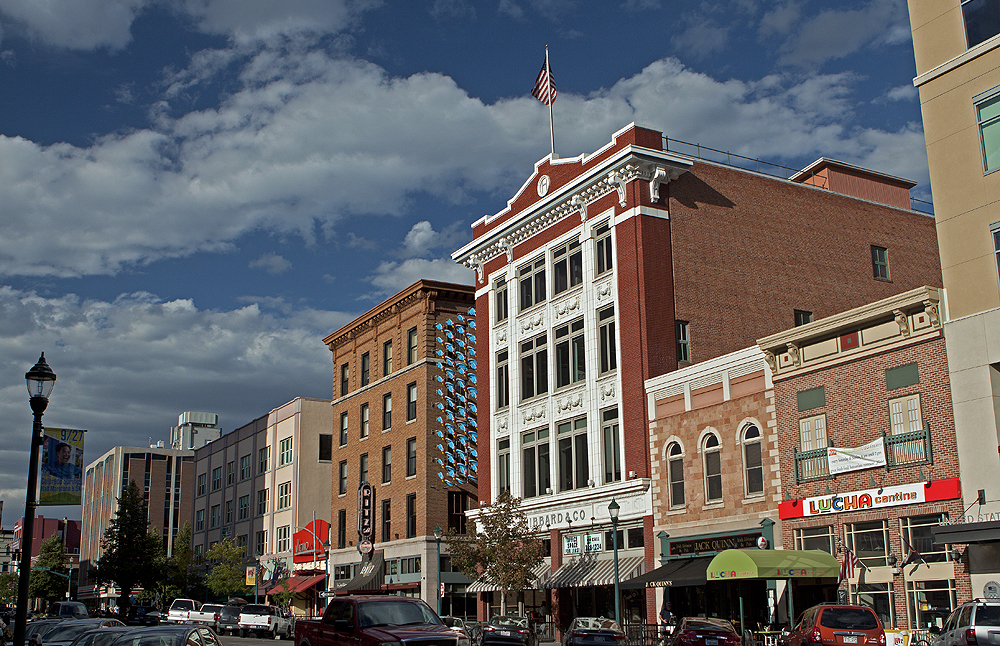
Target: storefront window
x=815, y=538
x=868, y=541
x=916, y=531
x=878, y=597
x=929, y=602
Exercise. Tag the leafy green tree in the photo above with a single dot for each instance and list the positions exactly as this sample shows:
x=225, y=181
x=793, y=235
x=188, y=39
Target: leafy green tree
x=133, y=552
x=182, y=578
x=281, y=593
x=8, y=587
x=45, y=584
x=500, y=548
x=228, y=574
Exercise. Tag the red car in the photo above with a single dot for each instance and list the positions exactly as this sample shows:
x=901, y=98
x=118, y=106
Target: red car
x=833, y=625
x=705, y=631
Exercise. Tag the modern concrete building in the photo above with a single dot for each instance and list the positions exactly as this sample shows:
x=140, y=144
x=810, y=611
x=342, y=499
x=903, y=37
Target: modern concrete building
x=194, y=430
x=611, y=268
x=262, y=483
x=384, y=424
x=956, y=44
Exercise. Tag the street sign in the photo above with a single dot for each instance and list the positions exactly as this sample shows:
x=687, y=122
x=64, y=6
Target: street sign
x=326, y=594
x=442, y=590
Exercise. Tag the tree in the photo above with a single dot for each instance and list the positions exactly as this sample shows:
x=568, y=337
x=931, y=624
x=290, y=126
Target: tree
x=8, y=587
x=182, y=579
x=44, y=584
x=499, y=548
x=281, y=592
x=133, y=552
x=228, y=575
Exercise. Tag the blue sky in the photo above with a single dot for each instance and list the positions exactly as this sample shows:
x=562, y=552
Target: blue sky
x=196, y=192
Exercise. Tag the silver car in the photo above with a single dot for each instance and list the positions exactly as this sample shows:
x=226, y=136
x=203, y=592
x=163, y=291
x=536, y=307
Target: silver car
x=973, y=623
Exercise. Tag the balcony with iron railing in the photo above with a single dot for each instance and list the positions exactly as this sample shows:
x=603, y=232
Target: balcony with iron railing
x=901, y=450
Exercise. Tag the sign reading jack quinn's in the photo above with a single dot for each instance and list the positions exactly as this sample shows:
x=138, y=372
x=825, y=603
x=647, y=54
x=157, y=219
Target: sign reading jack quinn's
x=838, y=503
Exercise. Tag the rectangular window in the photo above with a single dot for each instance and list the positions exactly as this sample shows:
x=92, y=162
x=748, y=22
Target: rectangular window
x=503, y=380
x=612, y=441
x=363, y=468
x=535, y=462
x=982, y=22
x=458, y=504
x=606, y=339
x=342, y=477
x=411, y=402
x=503, y=465
x=411, y=457
x=282, y=538
x=904, y=414
x=244, y=467
x=365, y=365
x=681, y=329
x=812, y=436
x=202, y=483
x=386, y=464
x=216, y=478
x=215, y=516
x=815, y=538
x=199, y=520
x=574, y=468
x=802, y=317
x=531, y=283
x=343, y=429
x=260, y=544
x=262, y=502
x=345, y=373
x=325, y=447
x=230, y=473
x=567, y=266
x=263, y=459
x=917, y=537
x=285, y=495
x=229, y=512
x=995, y=232
x=534, y=367
x=411, y=515
x=386, y=358
x=570, y=362
x=285, y=452
x=931, y=602
x=869, y=541
x=880, y=262
x=386, y=411
x=500, y=300
x=386, y=521
x=411, y=346
x=364, y=421
x=341, y=529
x=244, y=507
x=605, y=257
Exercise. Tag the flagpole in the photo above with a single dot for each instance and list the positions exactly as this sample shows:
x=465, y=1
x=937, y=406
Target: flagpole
x=548, y=82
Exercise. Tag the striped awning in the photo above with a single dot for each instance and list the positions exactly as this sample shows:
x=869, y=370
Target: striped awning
x=594, y=572
x=539, y=574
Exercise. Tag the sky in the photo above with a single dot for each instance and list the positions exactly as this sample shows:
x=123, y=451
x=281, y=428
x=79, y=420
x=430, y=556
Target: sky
x=193, y=193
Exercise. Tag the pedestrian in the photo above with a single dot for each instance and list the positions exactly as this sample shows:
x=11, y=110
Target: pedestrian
x=666, y=619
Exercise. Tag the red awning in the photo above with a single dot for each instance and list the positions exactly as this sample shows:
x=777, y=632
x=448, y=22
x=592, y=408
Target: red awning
x=299, y=583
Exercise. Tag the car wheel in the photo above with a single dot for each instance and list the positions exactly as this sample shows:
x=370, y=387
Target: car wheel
x=274, y=632
x=243, y=633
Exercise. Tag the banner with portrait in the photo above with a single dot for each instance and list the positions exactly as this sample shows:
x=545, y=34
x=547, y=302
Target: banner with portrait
x=61, y=475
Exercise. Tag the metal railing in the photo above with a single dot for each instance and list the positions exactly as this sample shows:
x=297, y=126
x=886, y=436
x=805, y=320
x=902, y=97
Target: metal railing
x=901, y=450
x=810, y=465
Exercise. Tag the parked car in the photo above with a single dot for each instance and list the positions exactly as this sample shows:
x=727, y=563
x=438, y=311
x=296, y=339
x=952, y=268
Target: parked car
x=70, y=609
x=836, y=625
x=973, y=622
x=207, y=615
x=179, y=610
x=65, y=632
x=591, y=631
x=458, y=626
x=39, y=626
x=229, y=620
x=374, y=620
x=508, y=630
x=258, y=619
x=704, y=631
x=100, y=636
x=167, y=635
x=143, y=616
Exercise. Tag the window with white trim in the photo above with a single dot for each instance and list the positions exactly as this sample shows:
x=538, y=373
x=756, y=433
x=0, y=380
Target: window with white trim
x=503, y=465
x=365, y=414
x=574, y=467
x=815, y=538
x=260, y=543
x=502, y=380
x=606, y=339
x=570, y=361
x=682, y=330
x=611, y=438
x=284, y=495
x=263, y=459
x=753, y=461
x=411, y=346
x=995, y=232
x=712, y=459
x=982, y=20
x=343, y=429
x=342, y=478
x=411, y=401
x=880, y=262
x=262, y=502
x=229, y=512
x=285, y=452
x=365, y=369
x=243, y=508
x=386, y=411
x=363, y=468
x=411, y=457
x=904, y=413
x=282, y=538
x=567, y=266
x=869, y=541
x=500, y=300
x=531, y=283
x=386, y=358
x=199, y=520
x=675, y=475
x=812, y=437
x=534, y=367
x=535, y=462
x=215, y=516
x=605, y=256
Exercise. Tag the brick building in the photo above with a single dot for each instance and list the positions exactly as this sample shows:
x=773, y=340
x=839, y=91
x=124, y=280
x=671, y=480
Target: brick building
x=384, y=428
x=866, y=437
x=611, y=268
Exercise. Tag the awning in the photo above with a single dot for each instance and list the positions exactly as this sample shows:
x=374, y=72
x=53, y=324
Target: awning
x=986, y=532
x=588, y=572
x=299, y=583
x=676, y=573
x=539, y=574
x=369, y=577
x=772, y=564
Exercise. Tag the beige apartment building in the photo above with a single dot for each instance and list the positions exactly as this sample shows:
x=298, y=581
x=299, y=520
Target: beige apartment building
x=956, y=44
x=384, y=424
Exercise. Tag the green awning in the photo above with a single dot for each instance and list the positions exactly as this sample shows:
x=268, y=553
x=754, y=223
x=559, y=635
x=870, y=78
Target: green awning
x=772, y=564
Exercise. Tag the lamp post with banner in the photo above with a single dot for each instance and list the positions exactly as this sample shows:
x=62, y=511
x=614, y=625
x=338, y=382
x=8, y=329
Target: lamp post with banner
x=614, y=508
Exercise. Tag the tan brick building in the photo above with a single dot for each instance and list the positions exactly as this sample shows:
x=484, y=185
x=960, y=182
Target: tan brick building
x=384, y=424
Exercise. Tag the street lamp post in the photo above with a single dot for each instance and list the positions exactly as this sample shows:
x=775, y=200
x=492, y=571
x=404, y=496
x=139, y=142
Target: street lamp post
x=613, y=509
x=40, y=380
x=438, y=533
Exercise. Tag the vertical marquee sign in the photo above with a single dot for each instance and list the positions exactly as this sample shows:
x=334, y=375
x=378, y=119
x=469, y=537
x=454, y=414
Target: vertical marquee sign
x=366, y=496
x=456, y=355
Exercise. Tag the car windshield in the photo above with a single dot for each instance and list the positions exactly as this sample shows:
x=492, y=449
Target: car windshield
x=849, y=618
x=182, y=604
x=394, y=613
x=516, y=622
x=988, y=616
x=38, y=628
x=596, y=623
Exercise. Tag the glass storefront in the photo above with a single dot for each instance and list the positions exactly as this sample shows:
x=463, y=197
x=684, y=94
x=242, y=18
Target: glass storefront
x=929, y=602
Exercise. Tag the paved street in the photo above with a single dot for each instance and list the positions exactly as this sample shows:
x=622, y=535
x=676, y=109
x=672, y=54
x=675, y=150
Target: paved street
x=246, y=641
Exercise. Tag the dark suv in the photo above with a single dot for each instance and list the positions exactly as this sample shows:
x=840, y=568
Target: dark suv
x=975, y=622
x=372, y=621
x=833, y=625
x=229, y=620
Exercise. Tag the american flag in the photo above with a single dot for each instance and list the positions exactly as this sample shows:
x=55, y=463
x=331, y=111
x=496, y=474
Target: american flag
x=545, y=86
x=848, y=566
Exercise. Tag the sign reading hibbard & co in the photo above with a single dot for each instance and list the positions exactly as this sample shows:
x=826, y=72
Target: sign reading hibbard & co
x=365, y=511
x=715, y=544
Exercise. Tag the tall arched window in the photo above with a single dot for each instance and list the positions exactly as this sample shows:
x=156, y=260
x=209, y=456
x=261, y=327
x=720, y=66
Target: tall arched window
x=675, y=474
x=753, y=465
x=712, y=457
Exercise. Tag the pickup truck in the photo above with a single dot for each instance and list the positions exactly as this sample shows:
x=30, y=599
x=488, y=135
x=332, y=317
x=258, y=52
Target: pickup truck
x=179, y=610
x=207, y=615
x=372, y=621
x=258, y=619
